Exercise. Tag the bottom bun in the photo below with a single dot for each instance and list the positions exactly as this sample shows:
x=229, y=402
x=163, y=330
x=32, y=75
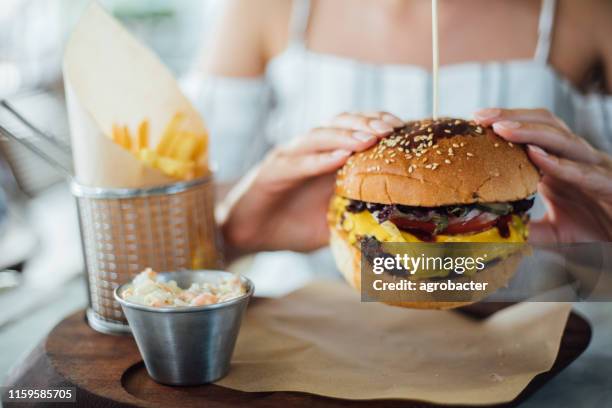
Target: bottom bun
x=348, y=261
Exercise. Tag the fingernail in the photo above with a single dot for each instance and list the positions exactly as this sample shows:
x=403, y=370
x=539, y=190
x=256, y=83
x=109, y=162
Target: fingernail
x=489, y=113
x=507, y=124
x=340, y=153
x=364, y=137
x=537, y=150
x=380, y=126
x=392, y=120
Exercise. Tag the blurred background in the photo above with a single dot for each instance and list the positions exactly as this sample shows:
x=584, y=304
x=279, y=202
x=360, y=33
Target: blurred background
x=41, y=267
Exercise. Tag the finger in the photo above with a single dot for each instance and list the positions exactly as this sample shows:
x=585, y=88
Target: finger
x=329, y=139
x=386, y=117
x=295, y=169
x=361, y=122
x=487, y=117
x=562, y=203
x=550, y=138
x=543, y=231
x=319, y=163
x=588, y=178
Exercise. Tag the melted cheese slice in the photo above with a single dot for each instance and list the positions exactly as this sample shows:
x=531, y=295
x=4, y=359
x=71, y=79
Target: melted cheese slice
x=364, y=224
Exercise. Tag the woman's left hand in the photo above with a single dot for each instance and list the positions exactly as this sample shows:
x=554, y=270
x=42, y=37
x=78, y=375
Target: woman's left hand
x=282, y=203
x=576, y=180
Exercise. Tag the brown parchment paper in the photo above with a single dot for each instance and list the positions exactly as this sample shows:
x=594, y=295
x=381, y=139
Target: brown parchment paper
x=111, y=78
x=323, y=340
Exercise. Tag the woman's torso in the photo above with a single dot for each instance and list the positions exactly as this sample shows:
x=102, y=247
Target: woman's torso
x=310, y=87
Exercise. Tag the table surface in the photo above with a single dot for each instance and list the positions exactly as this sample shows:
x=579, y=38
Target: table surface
x=111, y=357
x=585, y=383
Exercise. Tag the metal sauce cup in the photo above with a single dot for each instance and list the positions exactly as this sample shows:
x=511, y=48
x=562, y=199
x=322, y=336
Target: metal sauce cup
x=187, y=345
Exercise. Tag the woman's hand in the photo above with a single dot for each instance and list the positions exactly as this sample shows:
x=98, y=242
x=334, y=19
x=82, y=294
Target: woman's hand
x=282, y=203
x=577, y=179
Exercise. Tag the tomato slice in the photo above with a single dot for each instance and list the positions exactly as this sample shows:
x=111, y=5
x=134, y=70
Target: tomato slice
x=473, y=222
x=407, y=224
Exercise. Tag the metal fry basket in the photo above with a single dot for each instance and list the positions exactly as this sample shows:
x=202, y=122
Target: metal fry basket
x=123, y=231
x=167, y=228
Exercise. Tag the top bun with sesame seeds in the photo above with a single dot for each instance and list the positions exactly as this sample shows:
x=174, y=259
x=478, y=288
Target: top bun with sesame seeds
x=436, y=163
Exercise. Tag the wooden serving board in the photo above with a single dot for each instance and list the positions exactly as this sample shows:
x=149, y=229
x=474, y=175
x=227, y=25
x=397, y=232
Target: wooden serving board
x=107, y=371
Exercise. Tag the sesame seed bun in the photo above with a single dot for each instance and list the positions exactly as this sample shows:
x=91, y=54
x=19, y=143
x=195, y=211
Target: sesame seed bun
x=434, y=163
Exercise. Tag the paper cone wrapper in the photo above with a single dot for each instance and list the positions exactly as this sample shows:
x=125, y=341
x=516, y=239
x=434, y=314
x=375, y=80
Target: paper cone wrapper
x=110, y=78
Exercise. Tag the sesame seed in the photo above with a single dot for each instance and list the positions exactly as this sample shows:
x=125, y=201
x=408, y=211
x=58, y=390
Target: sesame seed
x=428, y=166
x=496, y=145
x=510, y=144
x=424, y=160
x=470, y=154
x=447, y=161
x=455, y=145
x=447, y=131
x=462, y=144
x=438, y=152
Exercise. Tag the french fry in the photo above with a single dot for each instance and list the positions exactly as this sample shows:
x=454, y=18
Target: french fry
x=143, y=135
x=116, y=134
x=127, y=138
x=178, y=153
x=122, y=136
x=176, y=168
x=184, y=150
x=200, y=148
x=167, y=139
x=172, y=147
x=147, y=156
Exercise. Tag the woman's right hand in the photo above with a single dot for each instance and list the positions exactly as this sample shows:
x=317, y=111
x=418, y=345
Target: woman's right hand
x=282, y=203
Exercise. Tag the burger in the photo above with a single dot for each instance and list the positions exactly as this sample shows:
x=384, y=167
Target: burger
x=432, y=181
